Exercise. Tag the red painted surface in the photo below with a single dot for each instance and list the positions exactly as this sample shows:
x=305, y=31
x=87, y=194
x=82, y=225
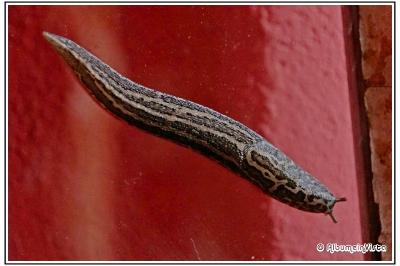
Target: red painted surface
x=85, y=186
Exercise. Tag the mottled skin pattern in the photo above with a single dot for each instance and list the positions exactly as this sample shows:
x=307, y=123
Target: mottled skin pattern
x=215, y=135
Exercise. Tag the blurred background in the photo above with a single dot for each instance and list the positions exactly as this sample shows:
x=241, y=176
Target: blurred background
x=83, y=185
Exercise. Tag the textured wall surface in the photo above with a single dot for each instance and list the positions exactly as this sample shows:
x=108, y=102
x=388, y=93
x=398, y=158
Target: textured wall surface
x=376, y=45
x=85, y=186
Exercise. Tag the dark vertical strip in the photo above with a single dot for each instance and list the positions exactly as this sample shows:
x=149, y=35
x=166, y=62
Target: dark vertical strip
x=394, y=135
x=368, y=208
x=5, y=133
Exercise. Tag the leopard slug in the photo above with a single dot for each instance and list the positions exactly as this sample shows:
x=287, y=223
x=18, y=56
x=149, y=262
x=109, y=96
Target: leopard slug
x=215, y=135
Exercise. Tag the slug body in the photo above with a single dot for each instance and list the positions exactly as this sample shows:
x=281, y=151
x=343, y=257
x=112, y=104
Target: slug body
x=203, y=129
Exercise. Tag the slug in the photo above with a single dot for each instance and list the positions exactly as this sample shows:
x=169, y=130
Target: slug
x=209, y=132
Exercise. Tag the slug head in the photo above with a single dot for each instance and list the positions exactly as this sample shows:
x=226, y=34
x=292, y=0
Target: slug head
x=281, y=178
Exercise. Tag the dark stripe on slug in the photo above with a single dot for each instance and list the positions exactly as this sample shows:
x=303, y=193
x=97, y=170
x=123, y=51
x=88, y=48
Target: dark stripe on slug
x=290, y=183
x=282, y=191
x=310, y=198
x=160, y=108
x=264, y=162
x=258, y=177
x=217, y=125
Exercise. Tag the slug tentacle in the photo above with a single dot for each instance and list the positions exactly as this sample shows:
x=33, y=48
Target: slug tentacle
x=187, y=123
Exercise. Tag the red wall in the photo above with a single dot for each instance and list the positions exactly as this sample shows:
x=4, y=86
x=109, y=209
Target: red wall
x=85, y=186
